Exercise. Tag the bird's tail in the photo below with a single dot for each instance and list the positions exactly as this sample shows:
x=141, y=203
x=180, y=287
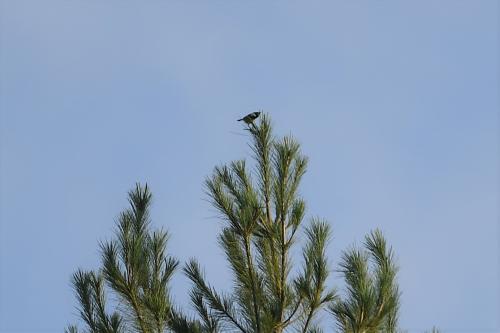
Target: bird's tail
x=240, y=119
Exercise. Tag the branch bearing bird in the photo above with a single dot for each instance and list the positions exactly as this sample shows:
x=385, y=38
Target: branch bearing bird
x=249, y=118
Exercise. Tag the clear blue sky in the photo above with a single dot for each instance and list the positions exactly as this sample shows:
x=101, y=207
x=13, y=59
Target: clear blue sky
x=395, y=103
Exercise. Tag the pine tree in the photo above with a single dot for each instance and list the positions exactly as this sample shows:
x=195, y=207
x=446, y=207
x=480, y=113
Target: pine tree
x=263, y=212
x=136, y=269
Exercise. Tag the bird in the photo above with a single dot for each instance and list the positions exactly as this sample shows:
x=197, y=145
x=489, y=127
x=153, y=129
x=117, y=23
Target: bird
x=249, y=118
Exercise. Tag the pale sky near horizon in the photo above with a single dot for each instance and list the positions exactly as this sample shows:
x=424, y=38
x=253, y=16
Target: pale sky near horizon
x=395, y=103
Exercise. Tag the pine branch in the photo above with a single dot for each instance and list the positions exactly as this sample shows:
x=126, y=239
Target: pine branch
x=222, y=305
x=312, y=283
x=372, y=301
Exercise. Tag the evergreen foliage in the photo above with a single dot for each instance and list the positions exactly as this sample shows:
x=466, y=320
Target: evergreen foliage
x=372, y=299
x=262, y=212
x=137, y=269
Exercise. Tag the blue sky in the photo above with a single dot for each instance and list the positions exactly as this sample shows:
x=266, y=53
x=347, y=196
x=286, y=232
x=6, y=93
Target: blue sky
x=394, y=102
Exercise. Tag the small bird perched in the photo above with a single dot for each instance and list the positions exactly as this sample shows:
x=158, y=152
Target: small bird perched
x=249, y=118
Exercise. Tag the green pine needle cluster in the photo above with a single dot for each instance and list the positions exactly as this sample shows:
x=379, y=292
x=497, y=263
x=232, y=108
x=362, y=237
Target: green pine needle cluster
x=372, y=300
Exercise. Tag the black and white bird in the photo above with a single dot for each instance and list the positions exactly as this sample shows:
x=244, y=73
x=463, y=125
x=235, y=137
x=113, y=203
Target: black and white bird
x=249, y=118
